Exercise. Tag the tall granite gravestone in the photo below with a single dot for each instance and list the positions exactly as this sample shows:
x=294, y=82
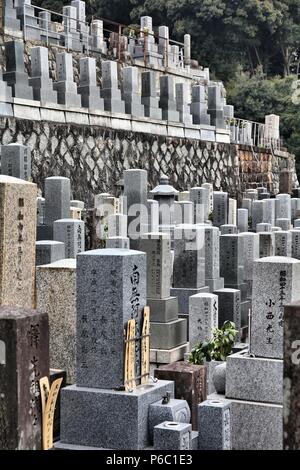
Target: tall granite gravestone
x=130, y=92
x=189, y=264
x=17, y=239
x=135, y=203
x=40, y=81
x=199, y=105
x=210, y=188
x=153, y=215
x=110, y=90
x=212, y=259
x=167, y=100
x=6, y=98
x=231, y=260
x=65, y=86
x=11, y=24
x=257, y=213
x=242, y=220
x=56, y=295
x=88, y=89
x=254, y=380
x=268, y=211
x=16, y=161
x=203, y=318
x=276, y=283
x=232, y=208
x=229, y=301
x=71, y=233
x=220, y=210
x=24, y=359
x=111, y=289
x=283, y=206
x=15, y=74
x=182, y=93
x=48, y=251
x=283, y=243
x=149, y=95
x=200, y=198
x=215, y=107
x=57, y=199
x=291, y=377
x=295, y=243
x=183, y=212
x=168, y=333
x=71, y=35
x=266, y=244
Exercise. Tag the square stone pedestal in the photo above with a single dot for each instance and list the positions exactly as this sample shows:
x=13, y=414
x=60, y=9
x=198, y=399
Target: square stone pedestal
x=107, y=418
x=168, y=335
x=190, y=384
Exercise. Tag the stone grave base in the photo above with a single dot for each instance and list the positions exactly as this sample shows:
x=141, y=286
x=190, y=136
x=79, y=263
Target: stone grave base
x=107, y=418
x=255, y=426
x=166, y=356
x=163, y=310
x=168, y=335
x=254, y=379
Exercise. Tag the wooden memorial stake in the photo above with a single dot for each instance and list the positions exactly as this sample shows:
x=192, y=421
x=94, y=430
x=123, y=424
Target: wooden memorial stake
x=130, y=383
x=146, y=347
x=49, y=398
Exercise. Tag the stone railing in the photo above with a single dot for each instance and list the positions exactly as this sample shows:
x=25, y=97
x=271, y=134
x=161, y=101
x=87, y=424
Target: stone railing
x=254, y=133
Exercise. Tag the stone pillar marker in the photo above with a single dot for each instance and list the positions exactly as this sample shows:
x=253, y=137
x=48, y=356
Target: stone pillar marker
x=24, y=359
x=17, y=241
x=65, y=86
x=110, y=91
x=220, y=212
x=167, y=100
x=182, y=103
x=101, y=321
x=203, y=318
x=135, y=200
x=199, y=105
x=212, y=259
x=57, y=199
x=200, y=198
x=130, y=93
x=15, y=74
x=149, y=95
x=40, y=81
x=276, y=283
x=283, y=243
x=71, y=233
x=291, y=377
x=56, y=295
x=88, y=89
x=16, y=161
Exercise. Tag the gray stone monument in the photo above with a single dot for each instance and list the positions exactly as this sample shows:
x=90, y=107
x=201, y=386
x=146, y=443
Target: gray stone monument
x=130, y=92
x=212, y=259
x=48, y=251
x=88, y=89
x=71, y=233
x=199, y=105
x=220, y=211
x=203, y=318
x=65, y=86
x=110, y=91
x=283, y=243
x=149, y=95
x=40, y=81
x=182, y=92
x=15, y=74
x=16, y=161
x=167, y=100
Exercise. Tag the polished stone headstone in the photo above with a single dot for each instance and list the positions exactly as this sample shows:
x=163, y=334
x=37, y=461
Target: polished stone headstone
x=130, y=92
x=182, y=91
x=167, y=100
x=40, y=81
x=65, y=86
x=88, y=89
x=203, y=318
x=48, y=251
x=16, y=161
x=110, y=91
x=57, y=199
x=71, y=233
x=220, y=212
x=199, y=105
x=149, y=95
x=15, y=74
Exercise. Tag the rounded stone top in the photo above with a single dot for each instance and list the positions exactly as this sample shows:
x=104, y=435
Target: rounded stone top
x=111, y=252
x=164, y=188
x=278, y=260
x=204, y=295
x=68, y=220
x=57, y=178
x=48, y=242
x=12, y=180
x=66, y=263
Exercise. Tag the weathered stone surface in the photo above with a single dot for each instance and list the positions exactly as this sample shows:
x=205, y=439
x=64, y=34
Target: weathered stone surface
x=291, y=378
x=24, y=359
x=190, y=384
x=17, y=241
x=56, y=295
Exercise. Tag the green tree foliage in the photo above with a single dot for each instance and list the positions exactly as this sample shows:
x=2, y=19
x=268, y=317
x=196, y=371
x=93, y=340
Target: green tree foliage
x=254, y=97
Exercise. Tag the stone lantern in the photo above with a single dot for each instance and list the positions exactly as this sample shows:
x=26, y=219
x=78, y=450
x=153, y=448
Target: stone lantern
x=165, y=195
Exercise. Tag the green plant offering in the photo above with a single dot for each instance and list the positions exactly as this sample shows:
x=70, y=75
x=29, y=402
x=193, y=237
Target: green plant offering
x=218, y=348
